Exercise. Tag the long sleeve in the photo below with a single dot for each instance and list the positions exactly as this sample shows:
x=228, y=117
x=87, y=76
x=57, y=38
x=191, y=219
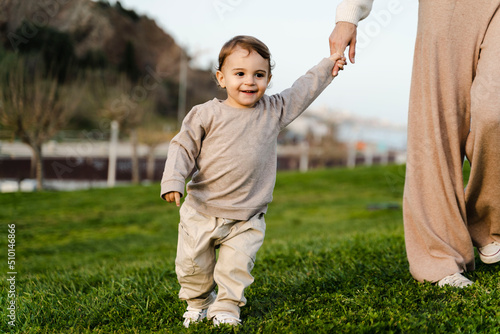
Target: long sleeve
x=292, y=102
x=182, y=153
x=353, y=11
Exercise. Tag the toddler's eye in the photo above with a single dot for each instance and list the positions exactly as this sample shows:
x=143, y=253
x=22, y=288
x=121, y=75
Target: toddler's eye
x=259, y=75
x=240, y=74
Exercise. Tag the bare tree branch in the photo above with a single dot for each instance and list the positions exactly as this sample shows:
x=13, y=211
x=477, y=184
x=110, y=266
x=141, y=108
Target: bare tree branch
x=34, y=107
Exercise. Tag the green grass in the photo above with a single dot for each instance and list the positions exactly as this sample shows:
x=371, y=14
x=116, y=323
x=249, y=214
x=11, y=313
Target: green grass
x=102, y=261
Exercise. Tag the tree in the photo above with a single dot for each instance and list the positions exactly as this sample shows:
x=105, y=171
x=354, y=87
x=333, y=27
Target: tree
x=119, y=103
x=154, y=131
x=55, y=47
x=32, y=106
x=141, y=109
x=128, y=64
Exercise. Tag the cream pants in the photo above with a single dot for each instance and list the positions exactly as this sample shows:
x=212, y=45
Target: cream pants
x=197, y=268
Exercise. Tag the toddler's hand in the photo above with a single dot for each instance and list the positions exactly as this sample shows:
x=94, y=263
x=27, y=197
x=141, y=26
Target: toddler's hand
x=339, y=60
x=173, y=196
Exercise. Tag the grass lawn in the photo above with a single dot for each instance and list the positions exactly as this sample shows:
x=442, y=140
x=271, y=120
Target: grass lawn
x=102, y=261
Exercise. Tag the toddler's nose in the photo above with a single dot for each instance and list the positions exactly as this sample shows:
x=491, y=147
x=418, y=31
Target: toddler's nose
x=250, y=80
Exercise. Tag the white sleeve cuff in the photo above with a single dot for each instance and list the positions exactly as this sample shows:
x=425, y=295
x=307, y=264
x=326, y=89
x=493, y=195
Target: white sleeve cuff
x=353, y=11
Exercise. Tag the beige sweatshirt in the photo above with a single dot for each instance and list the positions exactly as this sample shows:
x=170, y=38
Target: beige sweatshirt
x=353, y=10
x=233, y=150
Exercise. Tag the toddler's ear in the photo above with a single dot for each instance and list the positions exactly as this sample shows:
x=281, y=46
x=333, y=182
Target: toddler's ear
x=220, y=79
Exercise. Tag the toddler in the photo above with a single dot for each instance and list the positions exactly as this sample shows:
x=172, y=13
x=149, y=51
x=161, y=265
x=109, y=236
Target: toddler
x=230, y=146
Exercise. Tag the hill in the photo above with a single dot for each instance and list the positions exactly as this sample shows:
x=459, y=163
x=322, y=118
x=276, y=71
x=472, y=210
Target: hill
x=94, y=26
x=104, y=35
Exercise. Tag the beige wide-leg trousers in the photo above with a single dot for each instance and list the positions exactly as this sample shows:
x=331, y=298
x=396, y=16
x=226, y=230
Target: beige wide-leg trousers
x=197, y=268
x=454, y=112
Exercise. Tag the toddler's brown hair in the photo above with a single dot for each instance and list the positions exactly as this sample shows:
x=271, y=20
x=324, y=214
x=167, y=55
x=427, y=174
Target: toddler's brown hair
x=248, y=43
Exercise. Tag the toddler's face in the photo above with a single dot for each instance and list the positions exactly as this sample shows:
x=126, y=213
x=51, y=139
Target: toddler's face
x=245, y=77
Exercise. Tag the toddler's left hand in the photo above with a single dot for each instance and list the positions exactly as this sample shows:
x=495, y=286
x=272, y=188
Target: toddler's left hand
x=339, y=60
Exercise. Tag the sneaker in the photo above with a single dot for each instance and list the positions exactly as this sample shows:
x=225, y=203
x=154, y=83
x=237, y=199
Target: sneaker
x=456, y=280
x=490, y=253
x=228, y=319
x=193, y=315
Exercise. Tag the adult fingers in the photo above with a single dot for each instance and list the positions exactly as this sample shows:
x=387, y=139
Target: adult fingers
x=352, y=50
x=343, y=35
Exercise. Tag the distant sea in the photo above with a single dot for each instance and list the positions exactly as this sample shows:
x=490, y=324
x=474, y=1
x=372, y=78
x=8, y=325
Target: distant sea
x=384, y=138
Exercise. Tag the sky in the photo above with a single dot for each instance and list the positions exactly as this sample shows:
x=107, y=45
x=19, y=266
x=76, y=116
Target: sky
x=296, y=32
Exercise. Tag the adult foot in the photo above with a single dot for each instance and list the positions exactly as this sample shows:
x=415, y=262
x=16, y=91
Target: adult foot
x=490, y=253
x=456, y=280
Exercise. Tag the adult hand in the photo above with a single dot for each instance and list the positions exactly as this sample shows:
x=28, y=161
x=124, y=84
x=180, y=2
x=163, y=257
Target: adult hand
x=343, y=35
x=173, y=196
